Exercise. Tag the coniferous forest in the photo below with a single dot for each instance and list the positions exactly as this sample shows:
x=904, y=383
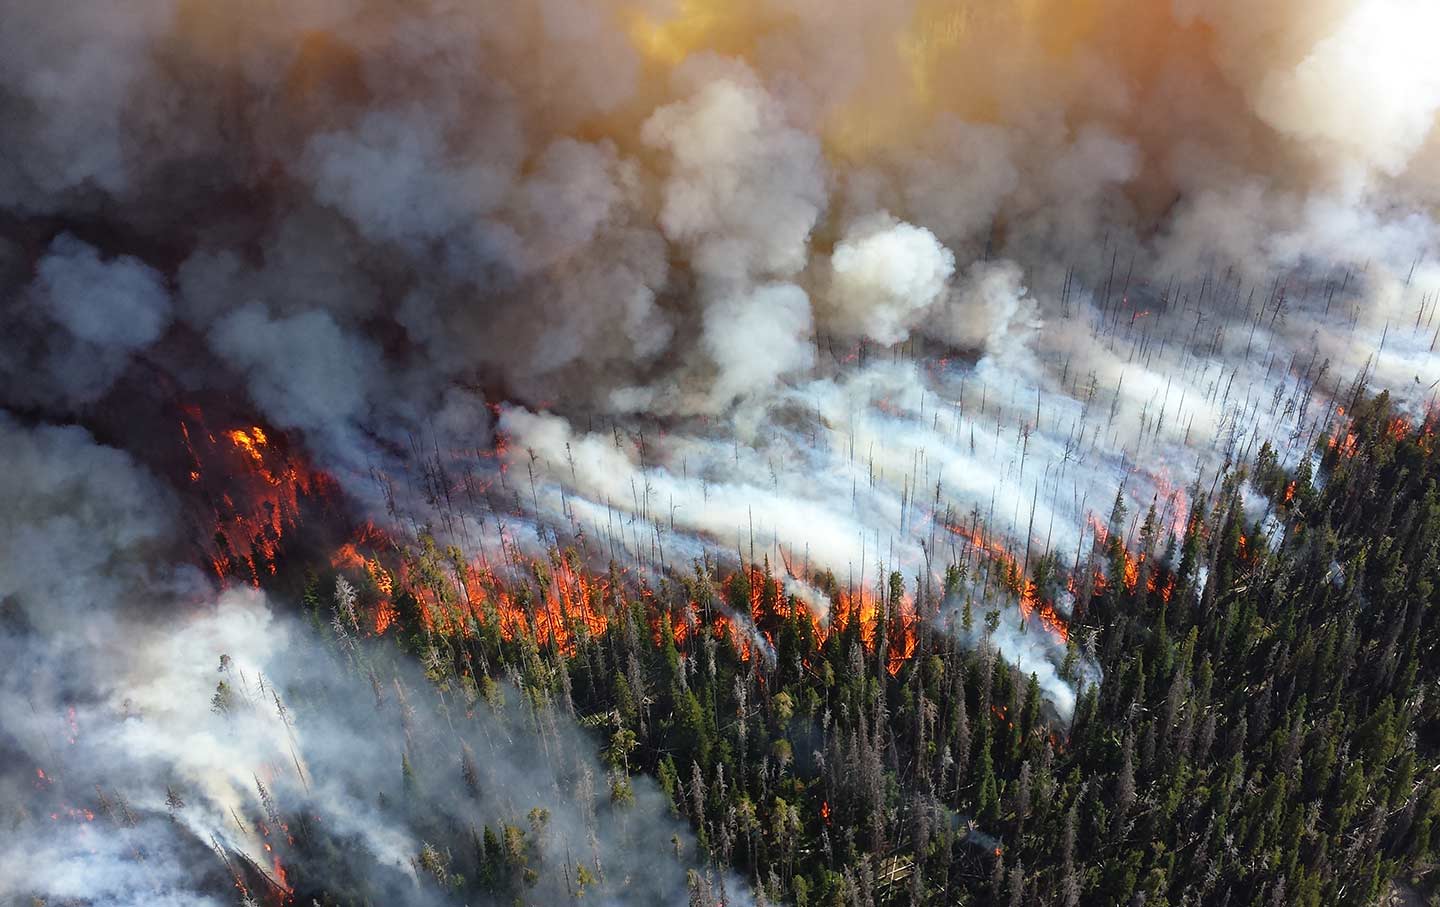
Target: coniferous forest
x=724, y=453
x=1265, y=732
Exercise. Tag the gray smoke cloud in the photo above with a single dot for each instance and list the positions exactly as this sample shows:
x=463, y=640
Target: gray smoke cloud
x=556, y=216
x=839, y=277
x=85, y=318
x=111, y=704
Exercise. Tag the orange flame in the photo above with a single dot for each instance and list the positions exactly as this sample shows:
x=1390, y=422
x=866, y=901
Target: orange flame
x=864, y=611
x=385, y=616
x=251, y=442
x=1344, y=448
x=570, y=602
x=1032, y=605
x=725, y=627
x=1130, y=575
x=1132, y=572
x=349, y=557
x=253, y=488
x=281, y=878
x=1152, y=584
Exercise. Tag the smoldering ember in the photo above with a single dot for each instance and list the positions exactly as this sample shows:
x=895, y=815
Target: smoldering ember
x=823, y=453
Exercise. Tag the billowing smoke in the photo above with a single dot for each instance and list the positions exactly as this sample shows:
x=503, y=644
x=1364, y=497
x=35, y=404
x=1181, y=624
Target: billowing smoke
x=565, y=207
x=165, y=744
x=885, y=276
x=860, y=286
x=93, y=316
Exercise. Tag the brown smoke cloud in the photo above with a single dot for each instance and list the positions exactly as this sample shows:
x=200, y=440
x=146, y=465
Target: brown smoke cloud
x=548, y=197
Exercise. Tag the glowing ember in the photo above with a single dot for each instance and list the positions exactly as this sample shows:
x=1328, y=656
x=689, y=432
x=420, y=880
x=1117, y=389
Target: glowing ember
x=1344, y=448
x=385, y=616
x=253, y=488
x=251, y=442
x=280, y=877
x=349, y=558
x=1032, y=605
x=1154, y=586
x=1130, y=574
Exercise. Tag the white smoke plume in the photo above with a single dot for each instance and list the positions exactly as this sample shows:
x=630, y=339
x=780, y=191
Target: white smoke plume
x=127, y=761
x=885, y=275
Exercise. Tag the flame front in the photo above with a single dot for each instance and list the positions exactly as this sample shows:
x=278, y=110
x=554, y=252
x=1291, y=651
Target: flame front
x=1012, y=576
x=254, y=490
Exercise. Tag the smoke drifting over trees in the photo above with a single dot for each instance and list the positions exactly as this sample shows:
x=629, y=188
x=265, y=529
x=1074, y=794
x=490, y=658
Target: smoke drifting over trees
x=861, y=286
x=111, y=692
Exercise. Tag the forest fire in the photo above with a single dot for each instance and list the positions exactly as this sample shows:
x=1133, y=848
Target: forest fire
x=385, y=615
x=860, y=609
x=251, y=442
x=1176, y=512
x=73, y=814
x=1165, y=590
x=348, y=557
x=902, y=649
x=562, y=602
x=1132, y=571
x=726, y=628
x=1051, y=620
x=572, y=300
x=1131, y=567
x=1355, y=429
x=1129, y=563
x=1031, y=603
x=1344, y=447
x=455, y=596
x=280, y=878
x=256, y=490
x=252, y=489
x=570, y=602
